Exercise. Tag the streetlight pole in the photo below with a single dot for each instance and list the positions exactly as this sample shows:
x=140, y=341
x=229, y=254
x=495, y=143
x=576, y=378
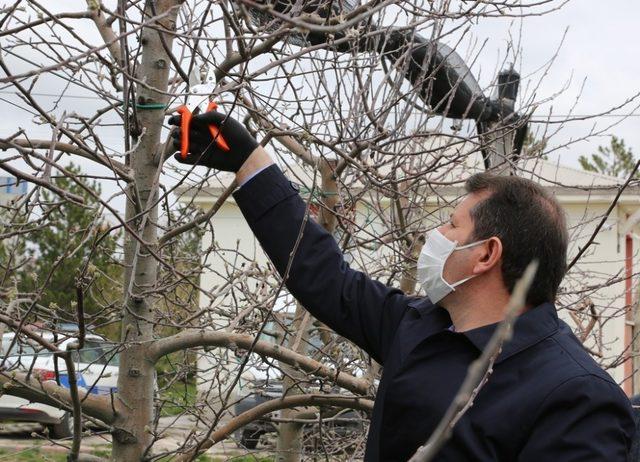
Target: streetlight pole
x=500, y=137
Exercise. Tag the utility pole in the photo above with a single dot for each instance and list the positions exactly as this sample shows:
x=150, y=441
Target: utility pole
x=499, y=148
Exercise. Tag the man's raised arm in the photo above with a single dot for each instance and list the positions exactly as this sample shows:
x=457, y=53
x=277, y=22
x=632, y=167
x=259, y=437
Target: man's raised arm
x=305, y=254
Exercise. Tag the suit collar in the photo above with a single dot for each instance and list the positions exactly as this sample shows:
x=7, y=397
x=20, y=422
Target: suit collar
x=437, y=315
x=530, y=327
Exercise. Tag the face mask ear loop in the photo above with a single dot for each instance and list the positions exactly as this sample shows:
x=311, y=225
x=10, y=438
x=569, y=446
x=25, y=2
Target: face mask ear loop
x=456, y=284
x=473, y=244
x=466, y=246
x=453, y=288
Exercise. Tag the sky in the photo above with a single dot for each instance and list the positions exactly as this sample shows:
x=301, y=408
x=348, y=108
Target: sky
x=597, y=61
x=582, y=59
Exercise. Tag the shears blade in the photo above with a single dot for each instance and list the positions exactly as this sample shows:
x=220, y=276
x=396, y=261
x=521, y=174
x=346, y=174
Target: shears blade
x=198, y=95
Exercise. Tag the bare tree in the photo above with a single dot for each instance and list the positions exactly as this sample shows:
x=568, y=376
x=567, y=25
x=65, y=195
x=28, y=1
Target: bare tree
x=354, y=109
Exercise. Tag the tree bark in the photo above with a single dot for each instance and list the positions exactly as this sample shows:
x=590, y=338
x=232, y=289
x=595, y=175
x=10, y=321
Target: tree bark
x=273, y=405
x=136, y=380
x=47, y=392
x=290, y=434
x=200, y=338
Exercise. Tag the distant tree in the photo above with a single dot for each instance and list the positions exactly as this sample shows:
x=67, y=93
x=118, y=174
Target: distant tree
x=179, y=298
x=614, y=160
x=534, y=147
x=11, y=251
x=69, y=246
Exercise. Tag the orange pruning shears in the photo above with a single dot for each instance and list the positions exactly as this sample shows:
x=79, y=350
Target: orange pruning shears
x=185, y=124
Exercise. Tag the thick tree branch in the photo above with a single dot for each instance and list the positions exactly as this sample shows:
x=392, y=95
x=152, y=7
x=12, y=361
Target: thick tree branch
x=237, y=58
x=191, y=339
x=76, y=405
x=67, y=148
x=38, y=22
x=48, y=392
x=105, y=30
x=348, y=402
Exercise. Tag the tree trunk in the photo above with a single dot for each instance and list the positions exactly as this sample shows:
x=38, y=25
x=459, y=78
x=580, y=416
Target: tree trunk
x=136, y=380
x=290, y=435
x=409, y=274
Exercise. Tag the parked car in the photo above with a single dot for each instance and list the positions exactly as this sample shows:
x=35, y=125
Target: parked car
x=345, y=423
x=96, y=371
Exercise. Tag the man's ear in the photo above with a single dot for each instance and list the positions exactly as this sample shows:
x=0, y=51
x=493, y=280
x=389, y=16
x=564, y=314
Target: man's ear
x=491, y=255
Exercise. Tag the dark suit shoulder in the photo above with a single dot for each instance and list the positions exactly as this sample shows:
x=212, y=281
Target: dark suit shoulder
x=575, y=357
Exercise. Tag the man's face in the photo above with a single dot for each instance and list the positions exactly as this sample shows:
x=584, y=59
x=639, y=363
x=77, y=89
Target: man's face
x=459, y=228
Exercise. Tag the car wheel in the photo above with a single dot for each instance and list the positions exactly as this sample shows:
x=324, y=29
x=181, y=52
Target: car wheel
x=250, y=438
x=62, y=429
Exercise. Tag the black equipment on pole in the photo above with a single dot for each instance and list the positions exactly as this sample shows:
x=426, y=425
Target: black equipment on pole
x=444, y=81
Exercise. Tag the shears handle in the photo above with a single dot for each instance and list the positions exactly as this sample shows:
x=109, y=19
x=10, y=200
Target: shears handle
x=185, y=124
x=215, y=131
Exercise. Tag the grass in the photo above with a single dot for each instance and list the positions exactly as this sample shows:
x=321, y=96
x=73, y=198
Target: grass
x=177, y=397
x=236, y=459
x=36, y=455
x=43, y=455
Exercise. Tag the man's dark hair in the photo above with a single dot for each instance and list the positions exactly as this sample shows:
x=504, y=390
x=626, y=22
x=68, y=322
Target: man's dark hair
x=531, y=225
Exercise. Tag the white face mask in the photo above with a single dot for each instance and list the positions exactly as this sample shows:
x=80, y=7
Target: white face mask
x=431, y=265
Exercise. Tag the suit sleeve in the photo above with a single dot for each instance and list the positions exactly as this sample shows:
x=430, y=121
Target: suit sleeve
x=586, y=419
x=356, y=307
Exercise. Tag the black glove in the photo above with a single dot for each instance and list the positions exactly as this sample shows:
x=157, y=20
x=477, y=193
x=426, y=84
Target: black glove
x=203, y=150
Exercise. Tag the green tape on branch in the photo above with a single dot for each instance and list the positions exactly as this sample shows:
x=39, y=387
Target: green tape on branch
x=151, y=106
x=316, y=192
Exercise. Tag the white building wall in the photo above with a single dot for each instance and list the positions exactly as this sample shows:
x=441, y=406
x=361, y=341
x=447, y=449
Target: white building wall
x=232, y=233
x=603, y=261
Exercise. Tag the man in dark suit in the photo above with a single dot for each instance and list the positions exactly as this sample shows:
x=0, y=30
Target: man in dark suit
x=546, y=400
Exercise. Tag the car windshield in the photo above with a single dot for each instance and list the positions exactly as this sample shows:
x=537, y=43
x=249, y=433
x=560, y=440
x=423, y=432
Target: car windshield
x=98, y=352
x=20, y=353
x=94, y=352
x=17, y=349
